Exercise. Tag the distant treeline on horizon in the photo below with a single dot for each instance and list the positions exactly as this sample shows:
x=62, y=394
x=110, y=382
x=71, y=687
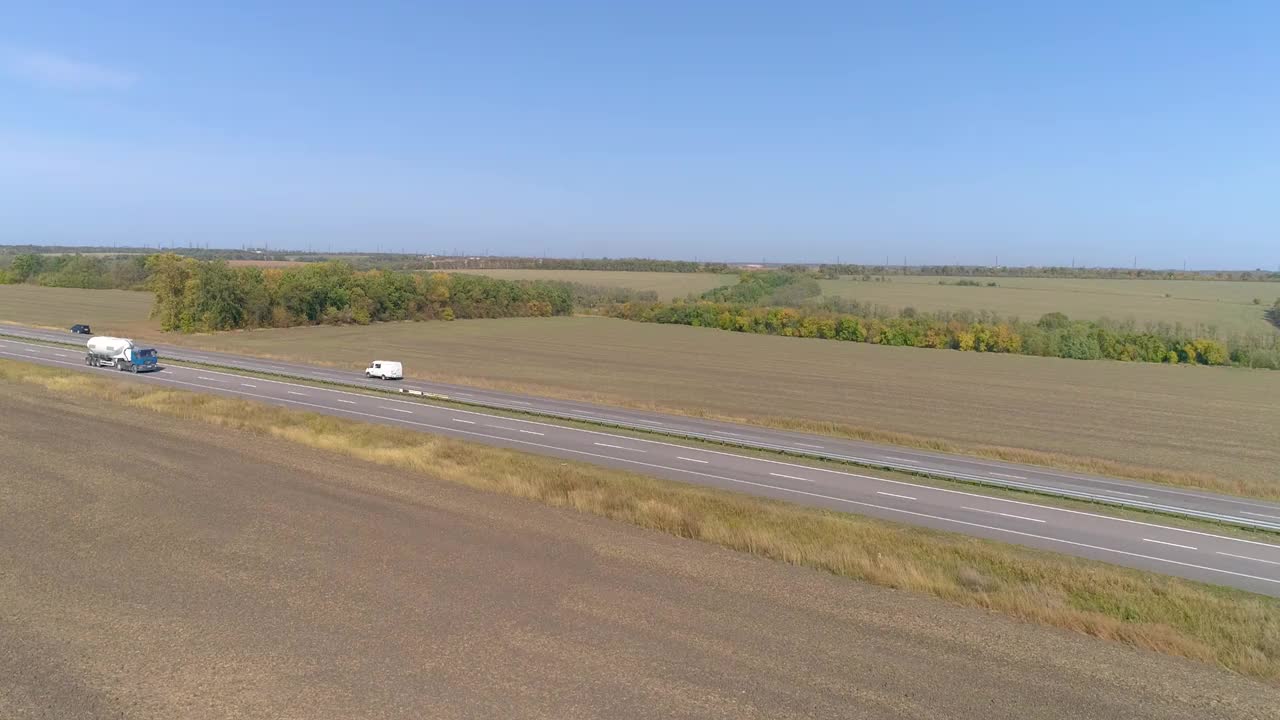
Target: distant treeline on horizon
x=414, y=261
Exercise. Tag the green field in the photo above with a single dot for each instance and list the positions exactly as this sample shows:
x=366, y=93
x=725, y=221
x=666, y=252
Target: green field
x=668, y=285
x=1218, y=422
x=1228, y=306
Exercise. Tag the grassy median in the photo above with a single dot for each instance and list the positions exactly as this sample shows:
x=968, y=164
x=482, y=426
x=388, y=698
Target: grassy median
x=1235, y=629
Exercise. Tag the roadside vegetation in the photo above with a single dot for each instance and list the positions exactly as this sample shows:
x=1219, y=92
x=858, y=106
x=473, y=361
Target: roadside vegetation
x=1237, y=630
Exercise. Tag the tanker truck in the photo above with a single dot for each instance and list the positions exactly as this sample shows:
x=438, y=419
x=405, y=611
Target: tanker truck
x=120, y=353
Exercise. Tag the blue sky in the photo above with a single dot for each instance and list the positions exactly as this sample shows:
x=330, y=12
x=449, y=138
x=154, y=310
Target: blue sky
x=938, y=131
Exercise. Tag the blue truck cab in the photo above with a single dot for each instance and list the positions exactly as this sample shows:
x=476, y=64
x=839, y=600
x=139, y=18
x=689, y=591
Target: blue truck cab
x=143, y=359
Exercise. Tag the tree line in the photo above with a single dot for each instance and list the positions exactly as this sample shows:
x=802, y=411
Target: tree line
x=125, y=272
x=1054, y=335
x=194, y=295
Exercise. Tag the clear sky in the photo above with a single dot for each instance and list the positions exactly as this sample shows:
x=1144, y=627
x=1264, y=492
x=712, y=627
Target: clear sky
x=938, y=131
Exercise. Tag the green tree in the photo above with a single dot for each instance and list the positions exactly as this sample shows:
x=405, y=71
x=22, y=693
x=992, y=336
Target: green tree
x=169, y=275
x=26, y=266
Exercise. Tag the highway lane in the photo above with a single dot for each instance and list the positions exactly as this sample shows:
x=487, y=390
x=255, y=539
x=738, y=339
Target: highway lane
x=1200, y=555
x=1242, y=511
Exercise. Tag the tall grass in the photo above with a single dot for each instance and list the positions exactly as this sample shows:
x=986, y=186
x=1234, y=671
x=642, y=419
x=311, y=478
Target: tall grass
x=1234, y=629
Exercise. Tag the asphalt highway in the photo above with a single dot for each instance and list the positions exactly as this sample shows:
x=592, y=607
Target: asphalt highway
x=1135, y=494
x=1150, y=545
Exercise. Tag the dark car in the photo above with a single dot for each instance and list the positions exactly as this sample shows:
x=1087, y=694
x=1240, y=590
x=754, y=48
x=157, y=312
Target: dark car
x=81, y=330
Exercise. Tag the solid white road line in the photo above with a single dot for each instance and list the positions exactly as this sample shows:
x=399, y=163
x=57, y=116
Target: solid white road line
x=1008, y=515
x=1269, y=517
x=618, y=447
x=896, y=459
x=791, y=477
x=1006, y=475
x=460, y=420
x=722, y=432
x=1161, y=542
x=692, y=460
x=807, y=445
x=1246, y=557
x=406, y=412
x=904, y=497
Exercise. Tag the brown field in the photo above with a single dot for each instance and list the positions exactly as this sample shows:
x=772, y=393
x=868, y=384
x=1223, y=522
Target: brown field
x=121, y=312
x=377, y=541
x=668, y=285
x=1187, y=423
x=1215, y=421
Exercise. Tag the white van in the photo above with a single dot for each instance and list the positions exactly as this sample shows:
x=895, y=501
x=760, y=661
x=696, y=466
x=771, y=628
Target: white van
x=385, y=370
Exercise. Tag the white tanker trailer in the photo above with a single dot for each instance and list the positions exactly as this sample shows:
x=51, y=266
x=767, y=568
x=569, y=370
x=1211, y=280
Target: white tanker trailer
x=120, y=353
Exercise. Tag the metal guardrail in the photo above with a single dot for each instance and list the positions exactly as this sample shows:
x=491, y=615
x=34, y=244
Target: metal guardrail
x=940, y=473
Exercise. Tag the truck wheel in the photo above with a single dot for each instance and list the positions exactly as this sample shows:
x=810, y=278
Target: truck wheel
x=133, y=369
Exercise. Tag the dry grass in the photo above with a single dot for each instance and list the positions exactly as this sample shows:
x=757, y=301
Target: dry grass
x=1234, y=629
x=1213, y=428
x=667, y=285
x=1225, y=305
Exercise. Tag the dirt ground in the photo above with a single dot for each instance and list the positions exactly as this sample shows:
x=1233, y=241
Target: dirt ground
x=151, y=568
